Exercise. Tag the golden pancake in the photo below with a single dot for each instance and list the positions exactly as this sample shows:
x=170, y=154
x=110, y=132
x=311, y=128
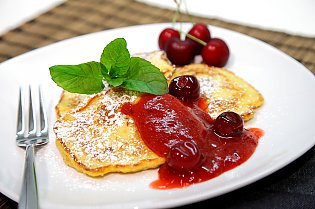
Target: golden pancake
x=71, y=101
x=223, y=90
x=160, y=60
x=98, y=139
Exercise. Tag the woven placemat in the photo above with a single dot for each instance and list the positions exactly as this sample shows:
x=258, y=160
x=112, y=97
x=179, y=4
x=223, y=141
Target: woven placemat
x=78, y=17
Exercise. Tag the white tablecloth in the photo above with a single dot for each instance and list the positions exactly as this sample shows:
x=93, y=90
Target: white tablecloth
x=291, y=16
x=16, y=12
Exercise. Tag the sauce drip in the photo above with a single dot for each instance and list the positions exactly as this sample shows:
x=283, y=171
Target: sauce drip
x=163, y=121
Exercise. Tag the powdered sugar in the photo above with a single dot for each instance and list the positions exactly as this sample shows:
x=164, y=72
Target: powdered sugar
x=207, y=85
x=98, y=134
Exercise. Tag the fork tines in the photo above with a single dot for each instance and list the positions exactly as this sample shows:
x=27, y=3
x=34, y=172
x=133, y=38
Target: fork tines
x=33, y=131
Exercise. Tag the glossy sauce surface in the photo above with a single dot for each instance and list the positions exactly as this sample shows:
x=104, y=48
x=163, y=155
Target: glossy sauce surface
x=163, y=121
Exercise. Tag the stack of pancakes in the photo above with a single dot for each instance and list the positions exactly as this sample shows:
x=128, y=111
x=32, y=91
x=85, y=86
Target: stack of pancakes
x=95, y=138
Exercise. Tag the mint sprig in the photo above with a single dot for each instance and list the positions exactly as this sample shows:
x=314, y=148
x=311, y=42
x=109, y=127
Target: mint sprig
x=145, y=77
x=116, y=58
x=84, y=78
x=116, y=67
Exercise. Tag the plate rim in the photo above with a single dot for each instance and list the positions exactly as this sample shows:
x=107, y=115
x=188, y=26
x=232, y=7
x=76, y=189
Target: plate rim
x=186, y=200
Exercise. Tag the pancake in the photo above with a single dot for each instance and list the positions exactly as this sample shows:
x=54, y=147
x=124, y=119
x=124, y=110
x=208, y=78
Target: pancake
x=160, y=60
x=98, y=139
x=223, y=90
x=71, y=101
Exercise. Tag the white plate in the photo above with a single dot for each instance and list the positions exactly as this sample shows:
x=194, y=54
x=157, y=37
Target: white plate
x=286, y=117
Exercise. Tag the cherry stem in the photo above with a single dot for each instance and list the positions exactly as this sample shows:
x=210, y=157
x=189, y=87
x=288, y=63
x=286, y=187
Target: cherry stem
x=196, y=39
x=187, y=12
x=177, y=13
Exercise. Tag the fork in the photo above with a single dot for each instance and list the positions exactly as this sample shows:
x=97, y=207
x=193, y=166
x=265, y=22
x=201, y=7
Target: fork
x=29, y=137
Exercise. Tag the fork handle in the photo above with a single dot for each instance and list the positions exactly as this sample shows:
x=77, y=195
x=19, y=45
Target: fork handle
x=29, y=198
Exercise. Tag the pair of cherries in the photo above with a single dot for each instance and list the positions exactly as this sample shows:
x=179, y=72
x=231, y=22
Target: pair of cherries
x=214, y=51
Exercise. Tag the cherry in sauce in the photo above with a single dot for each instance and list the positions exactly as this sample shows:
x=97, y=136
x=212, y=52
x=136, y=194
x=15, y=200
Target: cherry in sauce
x=185, y=87
x=229, y=124
x=184, y=156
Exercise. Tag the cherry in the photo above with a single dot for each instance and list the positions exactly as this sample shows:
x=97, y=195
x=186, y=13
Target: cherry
x=185, y=87
x=215, y=53
x=165, y=35
x=184, y=156
x=228, y=124
x=179, y=52
x=201, y=32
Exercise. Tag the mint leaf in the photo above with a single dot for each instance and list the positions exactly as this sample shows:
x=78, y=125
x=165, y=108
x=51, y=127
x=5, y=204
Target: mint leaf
x=116, y=81
x=104, y=72
x=116, y=57
x=145, y=77
x=84, y=78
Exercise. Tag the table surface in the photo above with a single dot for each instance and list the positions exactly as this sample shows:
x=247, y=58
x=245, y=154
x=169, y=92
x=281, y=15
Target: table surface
x=291, y=187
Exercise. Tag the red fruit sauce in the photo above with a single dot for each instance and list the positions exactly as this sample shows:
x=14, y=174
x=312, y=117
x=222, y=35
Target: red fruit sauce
x=162, y=121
